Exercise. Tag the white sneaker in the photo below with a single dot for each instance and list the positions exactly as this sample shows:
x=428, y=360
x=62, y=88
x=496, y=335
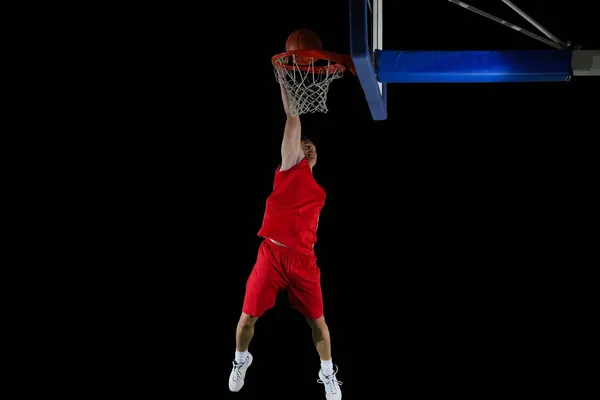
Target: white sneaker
x=238, y=373
x=332, y=386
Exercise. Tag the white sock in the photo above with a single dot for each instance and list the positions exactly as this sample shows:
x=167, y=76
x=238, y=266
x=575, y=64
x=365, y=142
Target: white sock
x=240, y=356
x=327, y=367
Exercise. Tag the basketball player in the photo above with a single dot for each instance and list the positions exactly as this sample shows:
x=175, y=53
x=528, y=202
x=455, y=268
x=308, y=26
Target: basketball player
x=286, y=258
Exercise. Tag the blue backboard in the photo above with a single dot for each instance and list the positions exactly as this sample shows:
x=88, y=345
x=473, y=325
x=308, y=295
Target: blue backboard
x=366, y=36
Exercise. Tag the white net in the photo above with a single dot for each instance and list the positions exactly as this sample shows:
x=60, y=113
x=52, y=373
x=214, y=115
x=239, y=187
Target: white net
x=306, y=85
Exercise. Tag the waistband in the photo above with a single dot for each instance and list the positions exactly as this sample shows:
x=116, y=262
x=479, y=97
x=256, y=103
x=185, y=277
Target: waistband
x=287, y=250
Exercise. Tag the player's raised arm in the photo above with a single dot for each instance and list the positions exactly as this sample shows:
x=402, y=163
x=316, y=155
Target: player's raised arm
x=291, y=151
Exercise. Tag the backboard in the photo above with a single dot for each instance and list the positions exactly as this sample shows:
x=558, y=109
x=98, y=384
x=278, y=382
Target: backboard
x=366, y=37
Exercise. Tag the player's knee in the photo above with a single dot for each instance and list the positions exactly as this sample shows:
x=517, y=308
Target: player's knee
x=318, y=323
x=247, y=319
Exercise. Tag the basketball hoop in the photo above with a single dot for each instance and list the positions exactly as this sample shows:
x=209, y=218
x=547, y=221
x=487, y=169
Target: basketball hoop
x=307, y=82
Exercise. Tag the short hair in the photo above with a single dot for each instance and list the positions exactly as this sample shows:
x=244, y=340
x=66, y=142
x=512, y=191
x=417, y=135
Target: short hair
x=306, y=139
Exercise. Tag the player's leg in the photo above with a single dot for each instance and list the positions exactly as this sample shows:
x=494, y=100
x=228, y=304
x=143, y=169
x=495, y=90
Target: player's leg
x=262, y=287
x=306, y=297
x=243, y=335
x=322, y=341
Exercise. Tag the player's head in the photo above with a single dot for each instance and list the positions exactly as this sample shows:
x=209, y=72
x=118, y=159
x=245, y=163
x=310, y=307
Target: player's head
x=310, y=151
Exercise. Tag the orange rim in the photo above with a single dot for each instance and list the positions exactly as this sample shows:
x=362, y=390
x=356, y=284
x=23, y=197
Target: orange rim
x=339, y=61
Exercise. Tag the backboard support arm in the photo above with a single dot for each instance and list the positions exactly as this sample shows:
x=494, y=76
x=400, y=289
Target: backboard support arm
x=466, y=6
x=535, y=23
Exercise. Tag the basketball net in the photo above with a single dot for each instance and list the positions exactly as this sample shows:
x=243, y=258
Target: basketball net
x=306, y=85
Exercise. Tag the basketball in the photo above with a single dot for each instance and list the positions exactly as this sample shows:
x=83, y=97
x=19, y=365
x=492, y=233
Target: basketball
x=303, y=39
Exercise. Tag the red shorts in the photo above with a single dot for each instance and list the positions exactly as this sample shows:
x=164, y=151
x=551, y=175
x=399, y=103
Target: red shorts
x=278, y=268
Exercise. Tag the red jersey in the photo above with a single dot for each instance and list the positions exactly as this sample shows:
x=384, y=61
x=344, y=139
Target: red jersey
x=292, y=211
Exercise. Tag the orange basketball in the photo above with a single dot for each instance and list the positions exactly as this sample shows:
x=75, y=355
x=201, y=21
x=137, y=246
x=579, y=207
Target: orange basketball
x=303, y=39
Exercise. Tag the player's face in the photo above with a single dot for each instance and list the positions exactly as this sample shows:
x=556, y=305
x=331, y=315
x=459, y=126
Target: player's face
x=310, y=152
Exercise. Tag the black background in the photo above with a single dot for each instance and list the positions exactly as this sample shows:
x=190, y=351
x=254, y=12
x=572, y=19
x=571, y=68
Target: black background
x=445, y=244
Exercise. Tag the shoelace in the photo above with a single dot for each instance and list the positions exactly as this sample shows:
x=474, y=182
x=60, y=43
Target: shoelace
x=330, y=382
x=237, y=369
